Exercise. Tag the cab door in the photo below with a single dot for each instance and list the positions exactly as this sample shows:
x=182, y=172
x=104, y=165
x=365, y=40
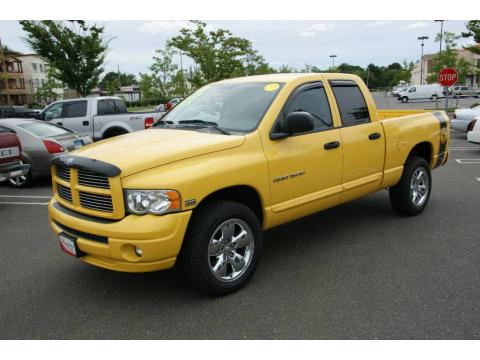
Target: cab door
x=74, y=116
x=363, y=141
x=305, y=169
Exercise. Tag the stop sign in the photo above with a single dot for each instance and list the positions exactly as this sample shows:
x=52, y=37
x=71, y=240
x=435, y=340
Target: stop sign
x=448, y=77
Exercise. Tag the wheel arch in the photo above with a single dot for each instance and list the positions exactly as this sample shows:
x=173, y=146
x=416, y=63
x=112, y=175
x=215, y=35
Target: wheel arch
x=424, y=150
x=114, y=131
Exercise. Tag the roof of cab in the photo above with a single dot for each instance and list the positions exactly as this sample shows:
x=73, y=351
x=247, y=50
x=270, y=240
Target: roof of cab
x=287, y=77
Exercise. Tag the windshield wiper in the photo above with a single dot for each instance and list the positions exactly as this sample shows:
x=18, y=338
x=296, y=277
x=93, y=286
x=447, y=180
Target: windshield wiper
x=204, y=123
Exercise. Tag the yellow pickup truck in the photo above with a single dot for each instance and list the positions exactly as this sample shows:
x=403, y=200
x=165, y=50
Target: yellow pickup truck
x=237, y=157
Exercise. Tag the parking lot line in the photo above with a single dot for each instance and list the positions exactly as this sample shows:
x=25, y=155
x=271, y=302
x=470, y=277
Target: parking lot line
x=478, y=179
x=468, y=161
x=21, y=203
x=25, y=196
x=464, y=148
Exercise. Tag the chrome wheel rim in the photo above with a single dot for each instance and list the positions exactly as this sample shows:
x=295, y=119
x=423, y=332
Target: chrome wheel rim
x=419, y=187
x=18, y=180
x=230, y=250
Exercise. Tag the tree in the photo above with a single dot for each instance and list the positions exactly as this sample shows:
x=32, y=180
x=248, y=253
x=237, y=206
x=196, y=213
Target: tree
x=77, y=51
x=163, y=70
x=448, y=59
x=46, y=91
x=112, y=87
x=179, y=84
x=218, y=54
x=473, y=27
x=148, y=88
x=112, y=76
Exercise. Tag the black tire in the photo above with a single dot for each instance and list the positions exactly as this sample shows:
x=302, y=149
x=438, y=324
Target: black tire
x=404, y=99
x=194, y=259
x=114, y=132
x=401, y=195
x=21, y=182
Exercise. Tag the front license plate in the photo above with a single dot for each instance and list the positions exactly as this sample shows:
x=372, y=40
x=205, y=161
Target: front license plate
x=77, y=144
x=67, y=244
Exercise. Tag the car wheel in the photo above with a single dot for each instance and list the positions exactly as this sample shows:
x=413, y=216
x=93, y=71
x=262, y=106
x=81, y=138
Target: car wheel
x=410, y=196
x=22, y=181
x=222, y=247
x=404, y=99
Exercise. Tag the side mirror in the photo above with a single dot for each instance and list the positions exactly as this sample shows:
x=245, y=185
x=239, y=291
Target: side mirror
x=299, y=122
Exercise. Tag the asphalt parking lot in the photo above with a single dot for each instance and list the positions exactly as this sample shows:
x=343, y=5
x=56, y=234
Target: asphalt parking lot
x=358, y=271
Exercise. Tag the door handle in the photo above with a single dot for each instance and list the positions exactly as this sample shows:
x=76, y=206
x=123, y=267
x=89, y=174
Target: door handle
x=85, y=123
x=331, y=145
x=374, y=136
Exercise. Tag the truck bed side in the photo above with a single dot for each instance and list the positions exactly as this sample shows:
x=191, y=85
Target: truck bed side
x=427, y=132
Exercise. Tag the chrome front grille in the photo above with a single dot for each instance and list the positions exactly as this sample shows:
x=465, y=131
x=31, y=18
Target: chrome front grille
x=96, y=202
x=63, y=173
x=90, y=178
x=64, y=192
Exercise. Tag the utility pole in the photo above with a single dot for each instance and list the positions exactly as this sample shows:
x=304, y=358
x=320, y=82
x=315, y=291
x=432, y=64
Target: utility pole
x=119, y=79
x=333, y=60
x=422, y=38
x=183, y=74
x=441, y=33
x=368, y=74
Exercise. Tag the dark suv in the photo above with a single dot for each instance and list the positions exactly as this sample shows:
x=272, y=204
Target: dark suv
x=17, y=112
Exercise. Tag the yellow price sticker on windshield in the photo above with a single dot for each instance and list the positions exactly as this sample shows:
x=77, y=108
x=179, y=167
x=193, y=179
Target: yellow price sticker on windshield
x=271, y=87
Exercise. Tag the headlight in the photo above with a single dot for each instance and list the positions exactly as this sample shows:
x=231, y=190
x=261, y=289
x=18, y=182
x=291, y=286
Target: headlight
x=153, y=201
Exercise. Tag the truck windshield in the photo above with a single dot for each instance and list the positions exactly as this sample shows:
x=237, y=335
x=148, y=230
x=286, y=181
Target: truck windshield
x=236, y=107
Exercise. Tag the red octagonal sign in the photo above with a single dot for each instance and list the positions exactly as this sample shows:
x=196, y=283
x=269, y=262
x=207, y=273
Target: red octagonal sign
x=448, y=77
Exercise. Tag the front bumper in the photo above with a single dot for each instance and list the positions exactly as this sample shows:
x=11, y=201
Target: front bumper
x=111, y=244
x=8, y=171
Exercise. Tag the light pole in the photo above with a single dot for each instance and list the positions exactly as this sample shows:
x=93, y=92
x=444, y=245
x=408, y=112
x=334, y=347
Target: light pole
x=333, y=60
x=441, y=33
x=422, y=38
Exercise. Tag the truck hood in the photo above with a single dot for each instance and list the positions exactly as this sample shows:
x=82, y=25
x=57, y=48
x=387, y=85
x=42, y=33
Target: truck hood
x=143, y=150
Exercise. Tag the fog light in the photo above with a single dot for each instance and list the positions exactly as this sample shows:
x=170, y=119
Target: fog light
x=138, y=251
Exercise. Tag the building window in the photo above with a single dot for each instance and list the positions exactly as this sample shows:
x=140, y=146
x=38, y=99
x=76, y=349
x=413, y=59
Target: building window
x=41, y=68
x=35, y=83
x=34, y=66
x=43, y=82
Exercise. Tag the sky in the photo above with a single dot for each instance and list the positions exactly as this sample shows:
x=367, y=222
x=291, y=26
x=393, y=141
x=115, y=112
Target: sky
x=292, y=43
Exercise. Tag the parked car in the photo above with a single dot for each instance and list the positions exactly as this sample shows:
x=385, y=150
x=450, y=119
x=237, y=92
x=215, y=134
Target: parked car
x=464, y=91
x=463, y=117
x=398, y=90
x=41, y=142
x=421, y=92
x=242, y=156
x=99, y=117
x=11, y=164
x=473, y=135
x=17, y=112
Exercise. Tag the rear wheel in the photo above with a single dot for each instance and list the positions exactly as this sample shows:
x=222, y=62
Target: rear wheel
x=222, y=247
x=114, y=132
x=410, y=196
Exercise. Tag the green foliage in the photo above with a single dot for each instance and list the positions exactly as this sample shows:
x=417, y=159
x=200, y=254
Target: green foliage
x=148, y=89
x=163, y=70
x=46, y=92
x=112, y=76
x=75, y=49
x=448, y=59
x=219, y=54
x=179, y=84
x=473, y=27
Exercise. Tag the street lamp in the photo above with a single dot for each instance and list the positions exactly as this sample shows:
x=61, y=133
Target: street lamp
x=441, y=33
x=422, y=38
x=333, y=60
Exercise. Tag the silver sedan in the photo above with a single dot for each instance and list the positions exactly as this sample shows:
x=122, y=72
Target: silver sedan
x=40, y=143
x=463, y=117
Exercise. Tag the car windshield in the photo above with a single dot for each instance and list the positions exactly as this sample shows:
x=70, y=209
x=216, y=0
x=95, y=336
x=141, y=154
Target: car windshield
x=235, y=107
x=44, y=130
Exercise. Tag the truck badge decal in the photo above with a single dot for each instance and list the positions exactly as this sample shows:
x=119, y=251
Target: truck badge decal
x=290, y=176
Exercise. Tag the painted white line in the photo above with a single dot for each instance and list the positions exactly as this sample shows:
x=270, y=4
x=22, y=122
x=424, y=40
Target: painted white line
x=468, y=161
x=463, y=148
x=25, y=196
x=478, y=179
x=21, y=203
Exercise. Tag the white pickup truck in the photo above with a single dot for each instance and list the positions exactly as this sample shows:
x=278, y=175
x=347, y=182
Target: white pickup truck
x=100, y=117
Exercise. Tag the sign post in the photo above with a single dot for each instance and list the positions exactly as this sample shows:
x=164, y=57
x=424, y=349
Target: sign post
x=447, y=77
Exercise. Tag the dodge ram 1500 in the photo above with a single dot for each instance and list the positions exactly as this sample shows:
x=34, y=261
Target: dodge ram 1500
x=234, y=158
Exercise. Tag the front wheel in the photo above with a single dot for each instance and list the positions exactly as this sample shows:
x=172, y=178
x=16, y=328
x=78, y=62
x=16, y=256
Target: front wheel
x=410, y=196
x=404, y=99
x=222, y=247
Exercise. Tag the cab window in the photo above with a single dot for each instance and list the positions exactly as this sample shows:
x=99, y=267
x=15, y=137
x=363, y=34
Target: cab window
x=314, y=101
x=351, y=103
x=53, y=112
x=75, y=109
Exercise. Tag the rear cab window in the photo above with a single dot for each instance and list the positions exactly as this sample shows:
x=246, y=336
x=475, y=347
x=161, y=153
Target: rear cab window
x=351, y=103
x=111, y=106
x=75, y=109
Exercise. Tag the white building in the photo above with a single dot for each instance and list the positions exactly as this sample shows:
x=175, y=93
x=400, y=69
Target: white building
x=35, y=70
